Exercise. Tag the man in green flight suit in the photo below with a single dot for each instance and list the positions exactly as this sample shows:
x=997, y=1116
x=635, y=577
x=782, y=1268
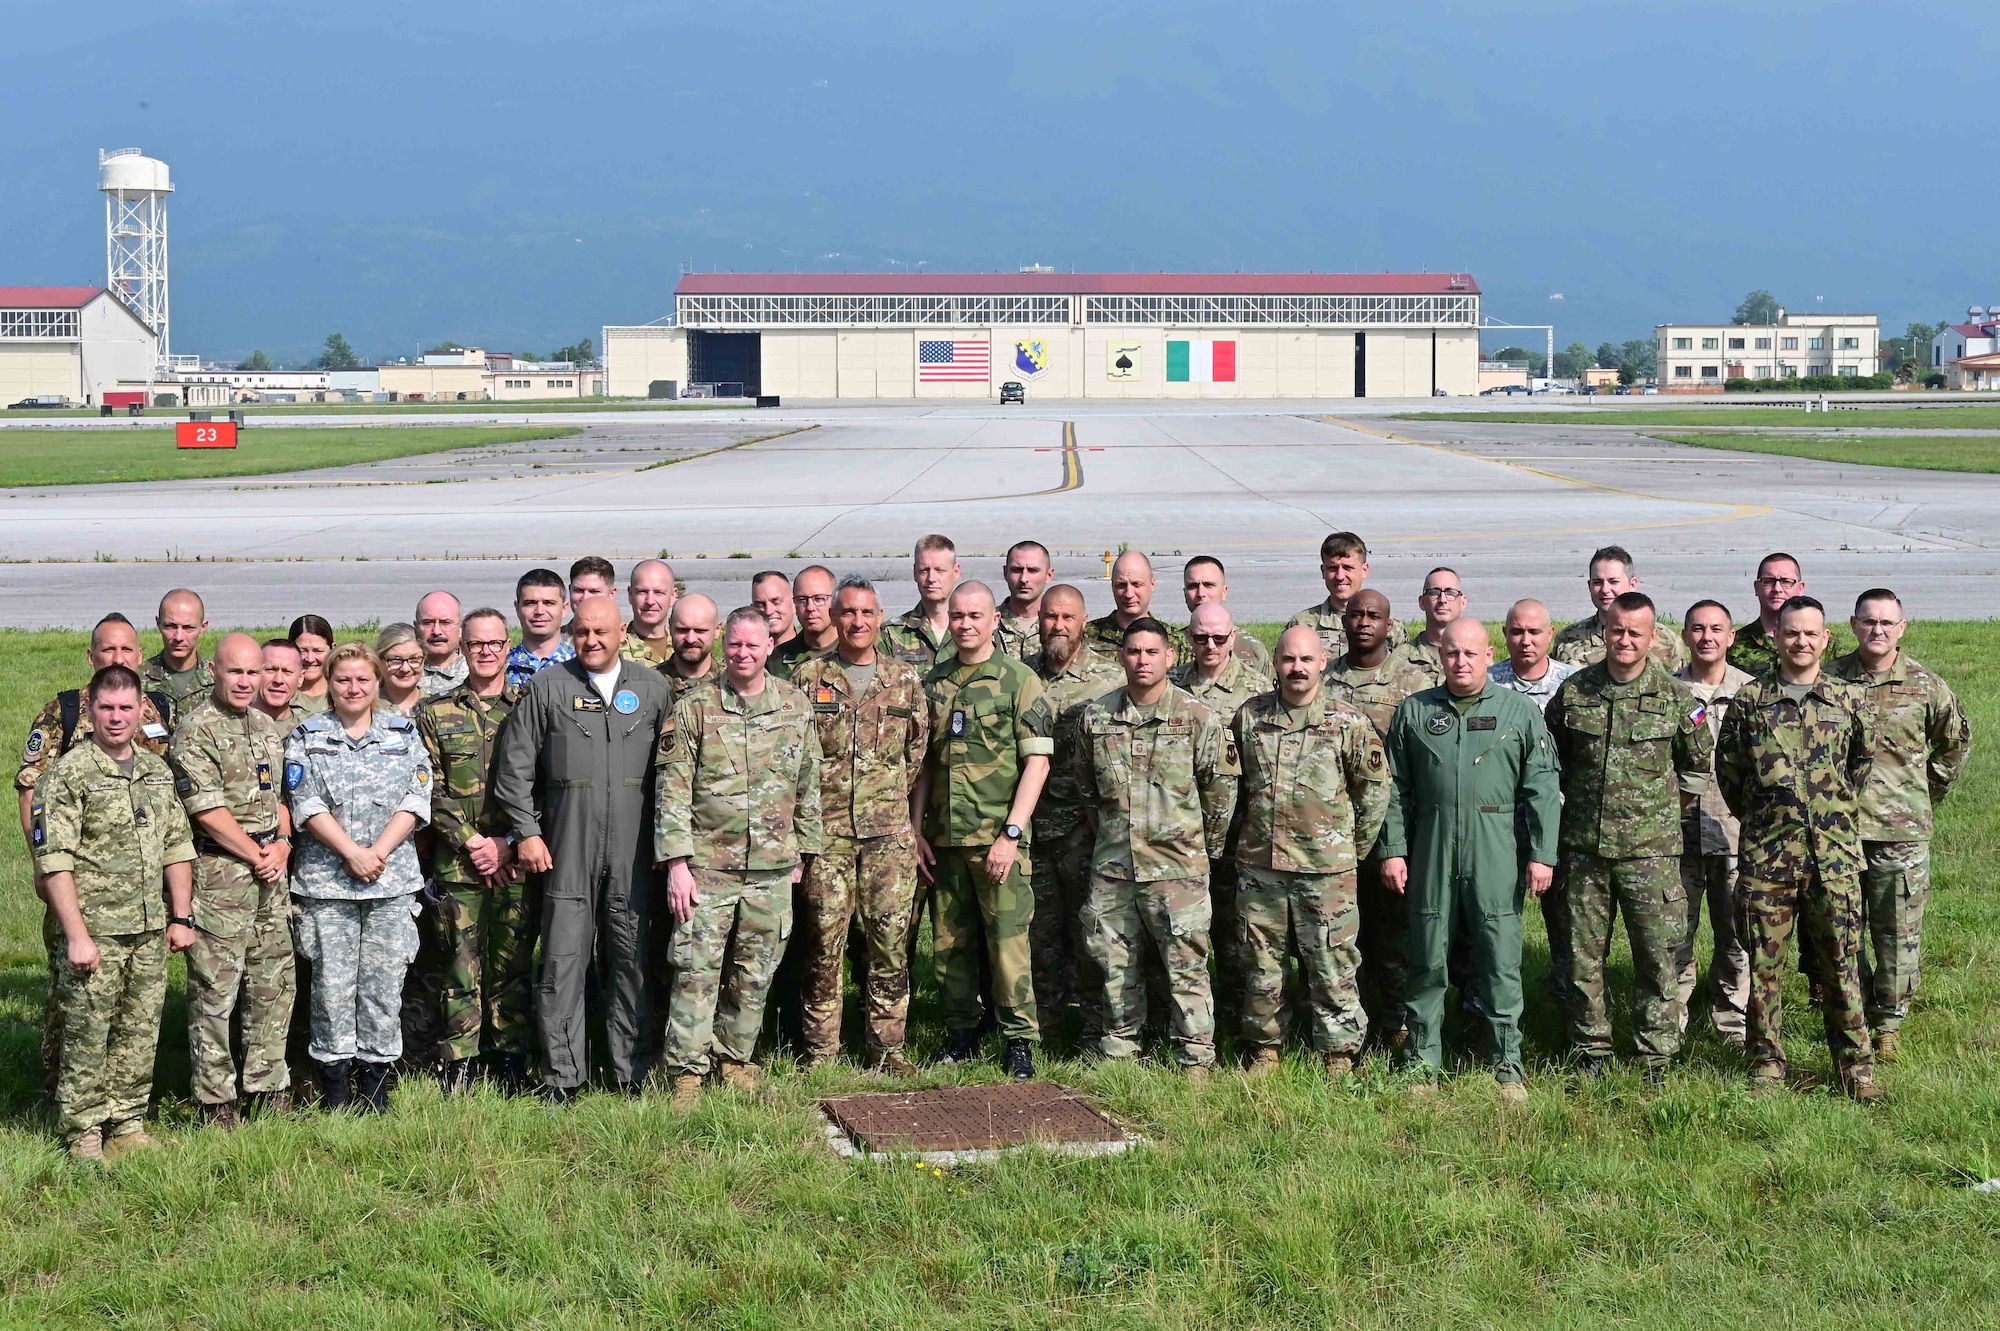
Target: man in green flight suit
x=1464, y=756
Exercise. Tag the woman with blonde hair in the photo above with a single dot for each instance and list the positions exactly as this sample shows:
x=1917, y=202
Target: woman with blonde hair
x=359, y=782
x=402, y=656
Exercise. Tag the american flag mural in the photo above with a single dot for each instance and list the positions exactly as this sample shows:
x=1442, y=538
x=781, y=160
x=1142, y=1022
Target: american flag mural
x=954, y=361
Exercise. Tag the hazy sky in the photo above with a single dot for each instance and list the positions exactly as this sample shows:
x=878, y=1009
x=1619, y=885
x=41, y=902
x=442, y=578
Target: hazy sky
x=516, y=175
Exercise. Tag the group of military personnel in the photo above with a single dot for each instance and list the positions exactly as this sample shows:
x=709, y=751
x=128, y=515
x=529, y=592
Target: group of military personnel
x=661, y=816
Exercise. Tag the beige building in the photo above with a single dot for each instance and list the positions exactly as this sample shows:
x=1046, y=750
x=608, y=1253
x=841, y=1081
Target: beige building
x=1693, y=357
x=72, y=342
x=478, y=376
x=1074, y=335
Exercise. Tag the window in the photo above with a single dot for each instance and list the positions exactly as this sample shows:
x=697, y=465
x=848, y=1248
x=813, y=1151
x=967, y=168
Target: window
x=1763, y=344
x=1683, y=371
x=1710, y=372
x=1711, y=343
x=1820, y=367
x=559, y=383
x=1683, y=344
x=1849, y=371
x=1850, y=344
x=1788, y=371
x=1816, y=344
x=1736, y=344
x=1760, y=371
x=1788, y=344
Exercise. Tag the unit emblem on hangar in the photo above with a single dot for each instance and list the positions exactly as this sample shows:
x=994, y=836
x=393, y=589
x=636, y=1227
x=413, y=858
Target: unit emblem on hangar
x=1121, y=360
x=1031, y=357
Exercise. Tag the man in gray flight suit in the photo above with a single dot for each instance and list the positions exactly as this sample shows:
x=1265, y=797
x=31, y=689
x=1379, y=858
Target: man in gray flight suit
x=573, y=779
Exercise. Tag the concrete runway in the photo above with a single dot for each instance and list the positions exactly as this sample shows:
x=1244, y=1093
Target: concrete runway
x=1516, y=509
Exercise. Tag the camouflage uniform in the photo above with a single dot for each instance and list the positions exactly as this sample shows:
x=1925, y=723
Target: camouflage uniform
x=1376, y=692
x=1414, y=653
x=786, y=660
x=1582, y=644
x=115, y=832
x=1463, y=766
x=738, y=798
x=1064, y=973
x=871, y=753
x=239, y=971
x=1624, y=749
x=1708, y=874
x=443, y=679
x=1324, y=620
x=360, y=937
x=1160, y=784
x=1554, y=672
x=1753, y=652
x=987, y=719
x=183, y=690
x=1251, y=651
x=1107, y=635
x=45, y=744
x=910, y=637
x=1237, y=683
x=1019, y=638
x=1315, y=791
x=1922, y=741
x=640, y=652
x=472, y=975
x=1792, y=772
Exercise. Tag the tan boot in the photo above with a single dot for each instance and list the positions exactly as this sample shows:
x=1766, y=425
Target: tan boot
x=1198, y=1074
x=1262, y=1064
x=1888, y=1045
x=895, y=1063
x=739, y=1076
x=125, y=1143
x=220, y=1114
x=687, y=1090
x=814, y=1059
x=1860, y=1085
x=1767, y=1079
x=87, y=1146
x=1513, y=1092
x=1339, y=1067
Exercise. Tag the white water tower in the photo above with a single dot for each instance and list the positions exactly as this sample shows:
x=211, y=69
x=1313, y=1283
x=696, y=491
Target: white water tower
x=135, y=189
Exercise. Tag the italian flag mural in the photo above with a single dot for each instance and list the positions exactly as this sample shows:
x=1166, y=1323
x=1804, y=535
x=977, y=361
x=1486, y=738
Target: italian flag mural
x=1201, y=362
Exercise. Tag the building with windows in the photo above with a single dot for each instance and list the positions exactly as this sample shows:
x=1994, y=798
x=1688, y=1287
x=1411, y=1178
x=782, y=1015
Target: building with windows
x=473, y=375
x=1956, y=342
x=1062, y=335
x=72, y=342
x=1697, y=357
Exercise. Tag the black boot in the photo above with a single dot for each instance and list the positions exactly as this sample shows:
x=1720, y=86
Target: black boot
x=964, y=1047
x=333, y=1084
x=510, y=1073
x=457, y=1076
x=371, y=1087
x=1020, y=1060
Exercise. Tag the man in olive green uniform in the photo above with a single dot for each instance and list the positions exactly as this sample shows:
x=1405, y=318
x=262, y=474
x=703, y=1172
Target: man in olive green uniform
x=992, y=732
x=1343, y=566
x=1373, y=681
x=1072, y=674
x=1922, y=741
x=1610, y=575
x=738, y=806
x=1158, y=774
x=694, y=625
x=1466, y=756
x=1792, y=759
x=62, y=724
x=573, y=780
x=228, y=760
x=1204, y=581
x=650, y=591
x=1779, y=578
x=106, y=833
x=812, y=601
x=1315, y=790
x=921, y=635
x=1132, y=586
x=177, y=669
x=472, y=979
x=874, y=730
x=1029, y=571
x=1626, y=732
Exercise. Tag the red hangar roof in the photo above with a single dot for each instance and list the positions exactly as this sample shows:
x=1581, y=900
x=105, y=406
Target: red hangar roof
x=1076, y=284
x=48, y=298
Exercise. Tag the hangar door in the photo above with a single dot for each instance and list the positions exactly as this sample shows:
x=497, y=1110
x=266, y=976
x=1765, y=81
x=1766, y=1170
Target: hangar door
x=726, y=359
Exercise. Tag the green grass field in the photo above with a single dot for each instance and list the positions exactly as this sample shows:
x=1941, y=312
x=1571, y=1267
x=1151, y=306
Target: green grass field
x=1923, y=452
x=1280, y=1204
x=1899, y=417
x=90, y=457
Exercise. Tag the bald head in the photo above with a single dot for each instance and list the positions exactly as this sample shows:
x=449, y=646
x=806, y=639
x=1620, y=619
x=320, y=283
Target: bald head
x=649, y=589
x=971, y=615
x=695, y=609
x=693, y=624
x=440, y=627
x=1300, y=663
x=1369, y=597
x=182, y=601
x=239, y=671
x=596, y=612
x=1132, y=586
x=181, y=622
x=1368, y=621
x=1466, y=652
x=596, y=631
x=1529, y=636
x=972, y=593
x=1211, y=617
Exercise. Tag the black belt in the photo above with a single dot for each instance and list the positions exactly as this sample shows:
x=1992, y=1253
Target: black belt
x=208, y=845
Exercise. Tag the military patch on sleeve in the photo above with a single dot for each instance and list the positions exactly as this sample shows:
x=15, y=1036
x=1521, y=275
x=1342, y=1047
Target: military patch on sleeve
x=423, y=777
x=295, y=775
x=183, y=785
x=39, y=833
x=263, y=776
x=1229, y=755
x=37, y=741
x=1374, y=760
x=1698, y=714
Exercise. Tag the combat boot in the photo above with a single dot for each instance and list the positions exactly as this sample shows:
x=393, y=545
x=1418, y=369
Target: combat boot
x=273, y=1103
x=1513, y=1092
x=964, y=1047
x=1592, y=1067
x=895, y=1063
x=1860, y=1087
x=1767, y=1079
x=510, y=1073
x=1888, y=1046
x=87, y=1146
x=1198, y=1074
x=335, y=1079
x=818, y=1058
x=371, y=1087
x=456, y=1076
x=1021, y=1060
x=221, y=1114
x=125, y=1143
x=1262, y=1063
x=739, y=1076
x=1339, y=1067
x=687, y=1090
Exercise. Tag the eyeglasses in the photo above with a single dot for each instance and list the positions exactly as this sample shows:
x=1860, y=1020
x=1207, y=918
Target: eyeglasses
x=1209, y=639
x=1781, y=584
x=812, y=600
x=1442, y=594
x=403, y=662
x=1877, y=623
x=486, y=644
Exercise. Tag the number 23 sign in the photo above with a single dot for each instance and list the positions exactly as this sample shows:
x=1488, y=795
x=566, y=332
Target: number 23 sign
x=205, y=434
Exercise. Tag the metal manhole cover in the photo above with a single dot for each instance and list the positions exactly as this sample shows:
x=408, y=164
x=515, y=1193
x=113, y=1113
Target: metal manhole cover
x=970, y=1122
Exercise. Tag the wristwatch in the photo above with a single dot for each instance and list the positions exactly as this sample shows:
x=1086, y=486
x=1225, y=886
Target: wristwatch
x=1013, y=831
x=185, y=921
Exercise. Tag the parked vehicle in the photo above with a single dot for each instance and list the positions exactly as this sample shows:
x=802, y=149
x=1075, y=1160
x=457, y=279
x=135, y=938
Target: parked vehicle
x=1012, y=391
x=46, y=402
